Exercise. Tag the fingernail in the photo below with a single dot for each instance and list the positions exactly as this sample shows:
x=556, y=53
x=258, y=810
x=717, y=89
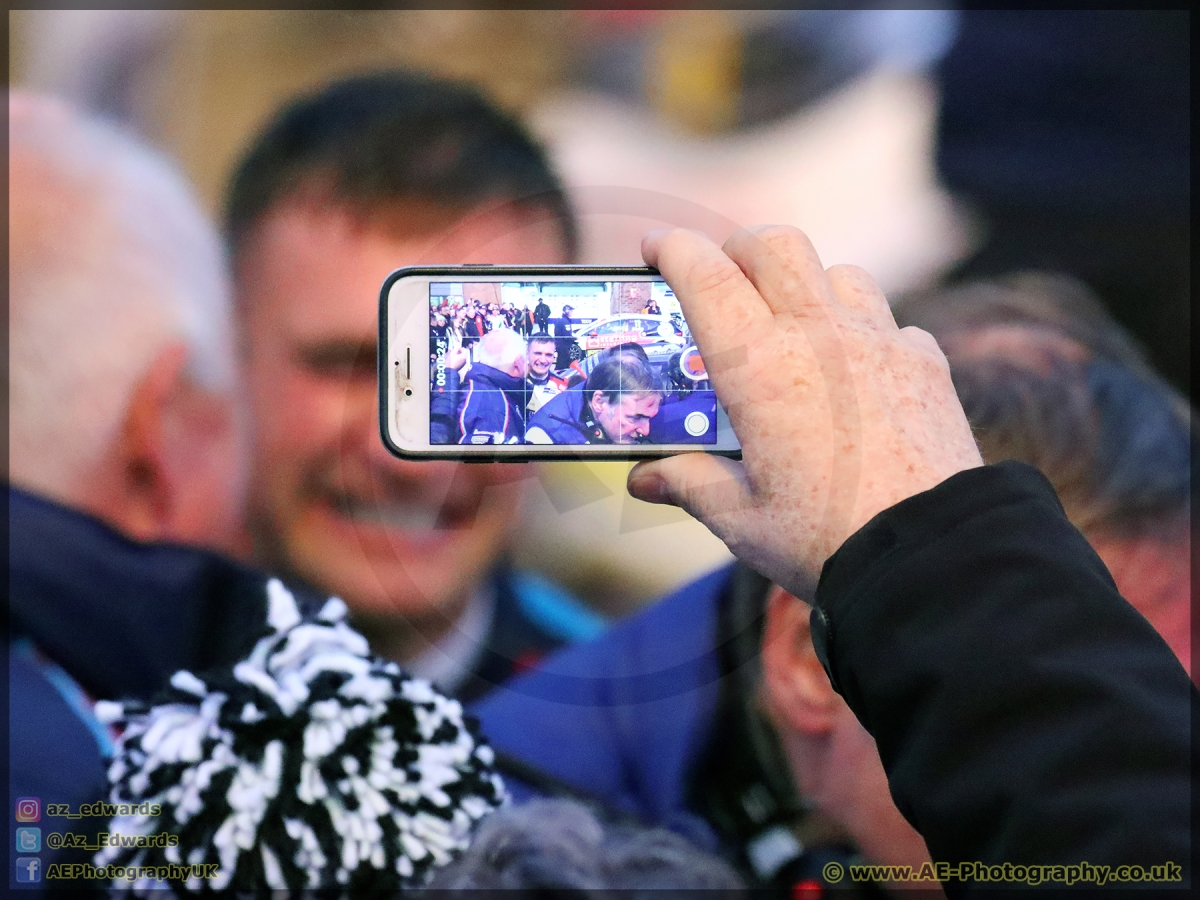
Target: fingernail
x=648, y=487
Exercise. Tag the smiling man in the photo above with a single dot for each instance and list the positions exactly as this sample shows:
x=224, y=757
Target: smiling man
x=616, y=405
x=542, y=382
x=343, y=187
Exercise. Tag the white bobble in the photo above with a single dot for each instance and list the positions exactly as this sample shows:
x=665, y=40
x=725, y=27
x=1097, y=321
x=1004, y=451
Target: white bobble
x=282, y=612
x=333, y=611
x=108, y=711
x=188, y=683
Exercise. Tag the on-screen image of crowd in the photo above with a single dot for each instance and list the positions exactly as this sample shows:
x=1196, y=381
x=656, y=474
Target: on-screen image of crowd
x=565, y=363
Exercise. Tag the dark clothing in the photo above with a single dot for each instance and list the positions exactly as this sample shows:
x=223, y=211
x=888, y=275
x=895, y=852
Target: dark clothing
x=526, y=322
x=1069, y=132
x=564, y=337
x=541, y=316
x=491, y=407
x=119, y=616
x=96, y=616
x=567, y=419
x=1024, y=711
x=476, y=327
x=1068, y=109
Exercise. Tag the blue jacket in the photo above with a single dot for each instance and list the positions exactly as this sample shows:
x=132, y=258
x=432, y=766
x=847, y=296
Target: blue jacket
x=491, y=407
x=567, y=419
x=623, y=717
x=94, y=616
x=533, y=617
x=656, y=720
x=696, y=410
x=973, y=632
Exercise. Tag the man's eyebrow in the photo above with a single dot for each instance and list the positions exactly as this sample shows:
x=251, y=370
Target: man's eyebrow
x=336, y=354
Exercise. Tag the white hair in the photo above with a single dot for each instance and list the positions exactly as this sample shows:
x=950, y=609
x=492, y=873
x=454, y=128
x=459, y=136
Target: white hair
x=501, y=348
x=558, y=847
x=111, y=261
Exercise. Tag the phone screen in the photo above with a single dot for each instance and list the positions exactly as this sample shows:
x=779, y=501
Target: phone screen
x=564, y=362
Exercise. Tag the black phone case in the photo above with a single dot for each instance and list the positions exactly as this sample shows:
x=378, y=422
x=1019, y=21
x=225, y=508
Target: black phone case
x=518, y=452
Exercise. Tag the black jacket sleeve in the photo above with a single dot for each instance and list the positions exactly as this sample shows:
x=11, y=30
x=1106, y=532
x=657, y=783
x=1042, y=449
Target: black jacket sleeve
x=1023, y=710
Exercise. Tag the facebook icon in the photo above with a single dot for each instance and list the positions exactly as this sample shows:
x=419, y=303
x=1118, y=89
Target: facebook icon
x=29, y=869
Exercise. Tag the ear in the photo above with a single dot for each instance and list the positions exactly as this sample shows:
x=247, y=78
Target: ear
x=176, y=470
x=138, y=496
x=798, y=690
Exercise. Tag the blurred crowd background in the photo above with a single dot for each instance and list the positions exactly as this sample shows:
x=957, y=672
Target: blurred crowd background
x=923, y=145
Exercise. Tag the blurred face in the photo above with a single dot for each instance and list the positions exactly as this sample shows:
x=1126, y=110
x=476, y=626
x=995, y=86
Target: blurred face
x=833, y=759
x=206, y=460
x=627, y=420
x=392, y=538
x=541, y=358
x=175, y=465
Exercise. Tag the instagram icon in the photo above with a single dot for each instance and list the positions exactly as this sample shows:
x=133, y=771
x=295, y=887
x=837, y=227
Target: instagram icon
x=29, y=809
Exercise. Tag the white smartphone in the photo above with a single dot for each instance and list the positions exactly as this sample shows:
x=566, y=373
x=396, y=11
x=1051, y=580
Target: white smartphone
x=506, y=363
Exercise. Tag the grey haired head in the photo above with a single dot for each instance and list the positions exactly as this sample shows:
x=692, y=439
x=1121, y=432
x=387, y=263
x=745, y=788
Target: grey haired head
x=549, y=846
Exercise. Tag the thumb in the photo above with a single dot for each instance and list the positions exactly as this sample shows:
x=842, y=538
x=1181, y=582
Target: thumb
x=704, y=485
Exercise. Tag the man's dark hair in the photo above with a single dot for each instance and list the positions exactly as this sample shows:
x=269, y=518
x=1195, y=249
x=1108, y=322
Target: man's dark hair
x=1044, y=300
x=632, y=347
x=1070, y=393
x=621, y=373
x=372, y=140
x=540, y=337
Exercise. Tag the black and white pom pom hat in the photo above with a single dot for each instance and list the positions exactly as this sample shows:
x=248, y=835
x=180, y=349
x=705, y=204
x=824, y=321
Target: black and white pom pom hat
x=310, y=764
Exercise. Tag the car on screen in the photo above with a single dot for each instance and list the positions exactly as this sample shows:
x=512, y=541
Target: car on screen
x=659, y=336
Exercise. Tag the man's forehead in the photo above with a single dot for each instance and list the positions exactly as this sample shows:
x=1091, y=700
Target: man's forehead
x=640, y=400
x=314, y=275
x=317, y=268
x=434, y=233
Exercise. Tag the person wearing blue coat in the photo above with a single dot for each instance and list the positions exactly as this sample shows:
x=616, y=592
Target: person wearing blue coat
x=96, y=616
x=963, y=682
x=616, y=405
x=486, y=405
x=491, y=410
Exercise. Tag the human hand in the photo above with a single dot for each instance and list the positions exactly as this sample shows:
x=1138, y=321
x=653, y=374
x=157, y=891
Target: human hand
x=840, y=413
x=456, y=358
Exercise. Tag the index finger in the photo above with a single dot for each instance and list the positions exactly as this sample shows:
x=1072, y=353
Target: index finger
x=722, y=308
